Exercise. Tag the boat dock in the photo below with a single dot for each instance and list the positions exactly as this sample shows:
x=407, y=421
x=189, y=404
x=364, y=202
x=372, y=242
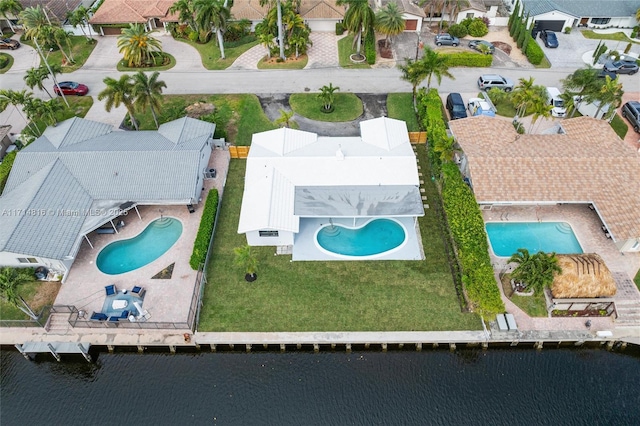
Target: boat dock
x=55, y=348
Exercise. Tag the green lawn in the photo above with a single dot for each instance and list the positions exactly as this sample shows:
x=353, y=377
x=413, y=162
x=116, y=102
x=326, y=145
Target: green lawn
x=37, y=294
x=81, y=49
x=619, y=126
x=400, y=106
x=534, y=306
x=347, y=106
x=544, y=64
x=210, y=53
x=122, y=66
x=78, y=107
x=237, y=117
x=619, y=36
x=9, y=63
x=289, y=64
x=340, y=296
x=345, y=49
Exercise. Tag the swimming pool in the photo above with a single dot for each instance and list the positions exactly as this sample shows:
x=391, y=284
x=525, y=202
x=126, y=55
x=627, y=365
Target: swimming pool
x=507, y=238
x=377, y=236
x=126, y=255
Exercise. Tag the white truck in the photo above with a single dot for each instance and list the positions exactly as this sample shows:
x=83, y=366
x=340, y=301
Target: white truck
x=557, y=104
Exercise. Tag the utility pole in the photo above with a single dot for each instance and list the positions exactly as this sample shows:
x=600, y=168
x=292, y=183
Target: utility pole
x=53, y=76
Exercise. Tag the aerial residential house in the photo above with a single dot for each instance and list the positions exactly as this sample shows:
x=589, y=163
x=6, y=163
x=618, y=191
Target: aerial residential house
x=113, y=15
x=320, y=15
x=583, y=162
x=297, y=181
x=457, y=12
x=556, y=15
x=412, y=13
x=82, y=175
x=56, y=10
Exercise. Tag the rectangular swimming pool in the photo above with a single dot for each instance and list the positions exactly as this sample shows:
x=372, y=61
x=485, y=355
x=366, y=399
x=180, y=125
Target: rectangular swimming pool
x=507, y=237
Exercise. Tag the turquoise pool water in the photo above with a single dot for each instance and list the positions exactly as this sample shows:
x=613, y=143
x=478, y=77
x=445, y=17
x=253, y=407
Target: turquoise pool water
x=507, y=237
x=126, y=255
x=375, y=237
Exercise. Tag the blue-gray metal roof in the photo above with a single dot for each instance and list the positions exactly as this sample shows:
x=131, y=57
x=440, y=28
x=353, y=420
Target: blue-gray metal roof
x=64, y=170
x=584, y=8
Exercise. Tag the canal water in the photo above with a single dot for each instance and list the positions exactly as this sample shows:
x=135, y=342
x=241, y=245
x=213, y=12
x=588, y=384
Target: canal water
x=432, y=387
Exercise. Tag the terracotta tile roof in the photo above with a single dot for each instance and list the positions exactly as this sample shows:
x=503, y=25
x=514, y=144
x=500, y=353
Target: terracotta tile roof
x=321, y=9
x=248, y=9
x=587, y=164
x=56, y=9
x=408, y=6
x=130, y=11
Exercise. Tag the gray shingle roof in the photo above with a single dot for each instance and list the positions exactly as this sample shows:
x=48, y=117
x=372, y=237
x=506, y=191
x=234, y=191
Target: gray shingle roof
x=584, y=8
x=81, y=162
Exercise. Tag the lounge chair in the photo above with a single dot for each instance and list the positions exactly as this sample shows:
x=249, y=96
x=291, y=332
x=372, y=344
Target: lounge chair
x=114, y=319
x=124, y=314
x=138, y=291
x=111, y=290
x=98, y=316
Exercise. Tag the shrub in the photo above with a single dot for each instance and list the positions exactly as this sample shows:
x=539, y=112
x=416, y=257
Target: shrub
x=205, y=231
x=193, y=36
x=567, y=30
x=477, y=28
x=534, y=52
x=458, y=30
x=468, y=59
x=628, y=48
x=370, y=47
x=339, y=28
x=521, y=37
x=237, y=30
x=4, y=60
x=5, y=168
x=249, y=38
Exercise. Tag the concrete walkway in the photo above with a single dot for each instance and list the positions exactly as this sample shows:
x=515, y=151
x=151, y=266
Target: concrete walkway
x=249, y=59
x=324, y=51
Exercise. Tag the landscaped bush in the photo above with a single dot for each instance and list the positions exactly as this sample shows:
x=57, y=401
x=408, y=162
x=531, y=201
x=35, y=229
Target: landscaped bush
x=370, y=47
x=458, y=30
x=4, y=60
x=249, y=38
x=237, y=30
x=339, y=28
x=534, y=52
x=477, y=28
x=5, y=168
x=193, y=36
x=201, y=244
x=431, y=118
x=468, y=59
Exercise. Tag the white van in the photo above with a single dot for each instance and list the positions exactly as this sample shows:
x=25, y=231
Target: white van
x=557, y=105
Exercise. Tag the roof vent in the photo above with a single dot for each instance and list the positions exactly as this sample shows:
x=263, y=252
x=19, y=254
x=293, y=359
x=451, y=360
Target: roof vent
x=339, y=153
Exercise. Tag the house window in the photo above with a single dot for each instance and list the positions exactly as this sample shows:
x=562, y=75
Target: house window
x=600, y=21
x=27, y=260
x=268, y=233
x=470, y=15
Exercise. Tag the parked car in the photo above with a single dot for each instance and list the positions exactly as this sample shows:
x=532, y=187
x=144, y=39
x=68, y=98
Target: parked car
x=455, y=106
x=621, y=67
x=71, y=88
x=478, y=106
x=631, y=111
x=447, y=39
x=603, y=73
x=488, y=81
x=482, y=46
x=9, y=43
x=549, y=38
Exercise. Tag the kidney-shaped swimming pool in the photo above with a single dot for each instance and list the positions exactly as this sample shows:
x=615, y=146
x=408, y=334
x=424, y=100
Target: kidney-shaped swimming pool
x=375, y=237
x=126, y=255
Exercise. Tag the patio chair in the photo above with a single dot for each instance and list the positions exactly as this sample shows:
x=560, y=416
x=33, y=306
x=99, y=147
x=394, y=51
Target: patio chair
x=114, y=319
x=111, y=289
x=124, y=314
x=138, y=291
x=98, y=316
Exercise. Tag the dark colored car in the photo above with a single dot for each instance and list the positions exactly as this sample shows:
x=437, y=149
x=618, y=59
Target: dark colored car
x=631, y=111
x=549, y=38
x=447, y=39
x=8, y=43
x=71, y=88
x=455, y=106
x=603, y=73
x=482, y=46
x=621, y=67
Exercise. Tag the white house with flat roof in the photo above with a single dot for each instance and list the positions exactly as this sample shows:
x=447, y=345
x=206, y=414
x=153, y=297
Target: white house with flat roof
x=294, y=176
x=81, y=174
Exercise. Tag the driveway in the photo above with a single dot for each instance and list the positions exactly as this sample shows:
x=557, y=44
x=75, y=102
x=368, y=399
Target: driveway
x=24, y=58
x=570, y=50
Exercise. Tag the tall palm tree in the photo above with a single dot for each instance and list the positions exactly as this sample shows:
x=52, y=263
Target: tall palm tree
x=278, y=5
x=137, y=45
x=80, y=17
x=535, y=271
x=435, y=64
x=454, y=8
x=49, y=109
x=147, y=92
x=327, y=96
x=358, y=20
x=17, y=99
x=36, y=76
x=581, y=82
x=10, y=7
x=212, y=14
x=10, y=280
x=389, y=21
x=610, y=94
x=414, y=72
x=119, y=92
x=33, y=108
x=186, y=13
x=523, y=95
x=33, y=19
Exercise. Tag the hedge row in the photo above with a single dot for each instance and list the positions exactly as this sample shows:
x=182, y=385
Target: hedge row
x=5, y=168
x=468, y=59
x=463, y=215
x=534, y=52
x=370, y=47
x=201, y=244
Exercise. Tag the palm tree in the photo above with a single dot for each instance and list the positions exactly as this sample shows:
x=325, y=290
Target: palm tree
x=33, y=19
x=358, y=19
x=17, y=99
x=454, y=8
x=212, y=14
x=278, y=7
x=445, y=147
x=10, y=280
x=33, y=108
x=12, y=7
x=49, y=109
x=327, y=96
x=610, y=93
x=36, y=76
x=80, y=17
x=580, y=83
x=137, y=46
x=522, y=96
x=119, y=92
x=246, y=259
x=285, y=119
x=414, y=72
x=60, y=35
x=389, y=21
x=186, y=12
x=435, y=64
x=537, y=271
x=147, y=92
x=541, y=108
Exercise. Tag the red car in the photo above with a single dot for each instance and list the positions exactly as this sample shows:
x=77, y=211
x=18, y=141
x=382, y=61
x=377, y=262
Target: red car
x=71, y=88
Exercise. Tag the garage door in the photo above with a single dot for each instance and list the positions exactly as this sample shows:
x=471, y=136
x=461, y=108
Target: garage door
x=549, y=25
x=411, y=24
x=111, y=31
